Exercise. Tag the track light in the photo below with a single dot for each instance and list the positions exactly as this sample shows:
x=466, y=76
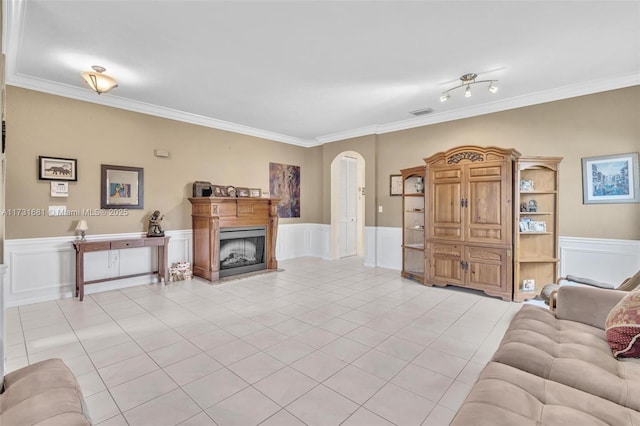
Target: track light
x=466, y=81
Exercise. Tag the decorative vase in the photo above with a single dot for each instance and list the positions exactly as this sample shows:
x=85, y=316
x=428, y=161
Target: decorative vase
x=419, y=185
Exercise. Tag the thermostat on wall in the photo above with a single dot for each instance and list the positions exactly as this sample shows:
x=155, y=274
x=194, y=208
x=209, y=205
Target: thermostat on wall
x=59, y=189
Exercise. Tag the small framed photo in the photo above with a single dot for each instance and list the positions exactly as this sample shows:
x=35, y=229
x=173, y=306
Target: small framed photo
x=218, y=191
x=395, y=185
x=52, y=168
x=611, y=179
x=524, y=224
x=265, y=194
x=527, y=185
x=537, y=226
x=121, y=187
x=255, y=192
x=528, y=285
x=242, y=192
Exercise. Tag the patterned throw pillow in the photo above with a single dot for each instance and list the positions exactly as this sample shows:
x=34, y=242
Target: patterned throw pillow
x=623, y=327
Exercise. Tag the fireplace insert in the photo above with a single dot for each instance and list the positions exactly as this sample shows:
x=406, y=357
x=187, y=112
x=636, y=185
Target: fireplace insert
x=242, y=250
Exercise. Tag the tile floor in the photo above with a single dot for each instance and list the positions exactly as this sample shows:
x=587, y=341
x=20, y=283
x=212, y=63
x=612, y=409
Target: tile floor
x=321, y=343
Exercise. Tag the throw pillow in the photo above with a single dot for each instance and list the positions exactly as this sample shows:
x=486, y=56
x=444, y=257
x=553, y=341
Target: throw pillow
x=623, y=327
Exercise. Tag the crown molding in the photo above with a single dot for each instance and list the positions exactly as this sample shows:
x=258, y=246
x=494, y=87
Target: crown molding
x=13, y=14
x=552, y=95
x=108, y=99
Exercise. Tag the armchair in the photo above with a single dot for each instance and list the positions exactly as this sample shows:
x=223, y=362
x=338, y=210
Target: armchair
x=549, y=292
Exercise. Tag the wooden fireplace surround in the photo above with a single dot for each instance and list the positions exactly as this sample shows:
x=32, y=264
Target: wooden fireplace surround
x=210, y=214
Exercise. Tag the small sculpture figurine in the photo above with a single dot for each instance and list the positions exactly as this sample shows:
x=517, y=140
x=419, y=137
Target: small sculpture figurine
x=523, y=207
x=533, y=206
x=155, y=230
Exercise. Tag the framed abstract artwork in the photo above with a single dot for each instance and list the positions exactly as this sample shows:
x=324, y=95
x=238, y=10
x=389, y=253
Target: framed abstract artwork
x=121, y=187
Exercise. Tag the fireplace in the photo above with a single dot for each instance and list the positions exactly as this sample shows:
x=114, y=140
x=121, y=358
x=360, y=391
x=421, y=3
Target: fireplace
x=242, y=250
x=218, y=221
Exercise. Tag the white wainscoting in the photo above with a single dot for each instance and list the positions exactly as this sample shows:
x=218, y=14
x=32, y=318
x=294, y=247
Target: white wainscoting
x=41, y=269
x=605, y=260
x=383, y=247
x=303, y=239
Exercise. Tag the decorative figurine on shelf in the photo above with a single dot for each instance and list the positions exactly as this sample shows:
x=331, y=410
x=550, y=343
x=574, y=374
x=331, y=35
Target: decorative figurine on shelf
x=533, y=206
x=155, y=230
x=523, y=207
x=419, y=185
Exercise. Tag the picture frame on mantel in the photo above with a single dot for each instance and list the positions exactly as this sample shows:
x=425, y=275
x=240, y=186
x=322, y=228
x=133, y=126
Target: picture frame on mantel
x=395, y=185
x=611, y=179
x=121, y=187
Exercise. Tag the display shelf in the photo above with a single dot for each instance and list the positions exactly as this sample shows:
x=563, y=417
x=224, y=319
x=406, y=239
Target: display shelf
x=414, y=246
x=536, y=252
x=413, y=207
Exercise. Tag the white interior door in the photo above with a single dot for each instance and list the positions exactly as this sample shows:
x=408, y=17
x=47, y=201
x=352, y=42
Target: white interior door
x=348, y=206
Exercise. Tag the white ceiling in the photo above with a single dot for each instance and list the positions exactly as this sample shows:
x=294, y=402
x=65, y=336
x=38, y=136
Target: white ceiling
x=310, y=72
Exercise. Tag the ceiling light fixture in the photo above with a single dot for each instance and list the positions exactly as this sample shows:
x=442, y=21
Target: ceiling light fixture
x=466, y=81
x=99, y=82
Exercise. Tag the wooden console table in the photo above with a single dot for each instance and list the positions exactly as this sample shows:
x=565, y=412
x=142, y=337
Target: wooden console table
x=83, y=247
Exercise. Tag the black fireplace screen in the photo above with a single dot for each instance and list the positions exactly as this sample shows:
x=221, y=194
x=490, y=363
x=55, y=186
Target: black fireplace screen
x=242, y=250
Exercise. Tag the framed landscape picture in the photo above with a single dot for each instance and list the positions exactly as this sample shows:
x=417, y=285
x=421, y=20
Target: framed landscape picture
x=611, y=179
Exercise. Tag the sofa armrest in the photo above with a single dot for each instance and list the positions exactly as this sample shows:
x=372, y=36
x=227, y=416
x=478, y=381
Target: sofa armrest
x=588, y=305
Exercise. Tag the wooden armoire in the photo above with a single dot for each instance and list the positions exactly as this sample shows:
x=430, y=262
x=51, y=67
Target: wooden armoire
x=469, y=226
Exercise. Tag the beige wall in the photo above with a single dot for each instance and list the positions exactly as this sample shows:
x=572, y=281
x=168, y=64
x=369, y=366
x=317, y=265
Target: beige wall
x=365, y=146
x=599, y=124
x=42, y=124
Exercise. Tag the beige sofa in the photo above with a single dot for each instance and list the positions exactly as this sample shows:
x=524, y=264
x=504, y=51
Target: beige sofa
x=45, y=393
x=557, y=369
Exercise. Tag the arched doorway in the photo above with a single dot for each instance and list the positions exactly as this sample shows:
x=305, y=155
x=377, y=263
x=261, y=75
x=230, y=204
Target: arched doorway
x=347, y=205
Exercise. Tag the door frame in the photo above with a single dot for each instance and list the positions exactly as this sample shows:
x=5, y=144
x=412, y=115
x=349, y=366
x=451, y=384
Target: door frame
x=335, y=203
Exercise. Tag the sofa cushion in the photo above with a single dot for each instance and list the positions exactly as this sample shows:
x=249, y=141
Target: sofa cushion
x=623, y=327
x=43, y=393
x=505, y=395
x=571, y=353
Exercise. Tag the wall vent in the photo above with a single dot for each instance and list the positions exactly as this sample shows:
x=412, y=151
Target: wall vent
x=423, y=111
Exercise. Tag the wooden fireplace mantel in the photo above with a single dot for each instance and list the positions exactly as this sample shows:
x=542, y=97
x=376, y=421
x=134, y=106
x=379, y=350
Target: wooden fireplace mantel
x=210, y=214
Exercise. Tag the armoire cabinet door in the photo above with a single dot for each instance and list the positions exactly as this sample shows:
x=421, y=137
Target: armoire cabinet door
x=445, y=264
x=488, y=269
x=487, y=203
x=445, y=207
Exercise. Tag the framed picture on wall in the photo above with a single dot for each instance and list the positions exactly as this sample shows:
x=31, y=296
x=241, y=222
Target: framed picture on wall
x=611, y=179
x=52, y=168
x=121, y=187
x=395, y=185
